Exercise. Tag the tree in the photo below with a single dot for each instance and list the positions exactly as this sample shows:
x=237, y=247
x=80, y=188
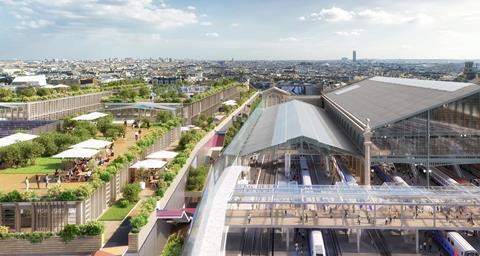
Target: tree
x=43, y=91
x=104, y=123
x=75, y=87
x=47, y=140
x=5, y=93
x=27, y=91
x=127, y=94
x=131, y=192
x=144, y=92
x=90, y=127
x=164, y=116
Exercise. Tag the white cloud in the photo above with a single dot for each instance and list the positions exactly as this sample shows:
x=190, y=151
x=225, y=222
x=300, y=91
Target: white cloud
x=375, y=15
x=333, y=14
x=206, y=23
x=380, y=16
x=83, y=15
x=234, y=25
x=354, y=32
x=191, y=7
x=212, y=34
x=289, y=39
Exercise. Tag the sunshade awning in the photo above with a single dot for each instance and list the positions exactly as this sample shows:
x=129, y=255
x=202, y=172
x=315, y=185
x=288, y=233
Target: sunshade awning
x=162, y=154
x=77, y=153
x=90, y=117
x=93, y=144
x=17, y=137
x=149, y=164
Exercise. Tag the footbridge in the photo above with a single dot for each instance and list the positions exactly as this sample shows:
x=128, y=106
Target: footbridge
x=388, y=206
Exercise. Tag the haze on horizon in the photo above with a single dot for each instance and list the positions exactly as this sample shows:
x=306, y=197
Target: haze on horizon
x=249, y=29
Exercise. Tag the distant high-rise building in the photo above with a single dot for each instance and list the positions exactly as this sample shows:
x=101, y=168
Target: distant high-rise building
x=469, y=71
x=354, y=57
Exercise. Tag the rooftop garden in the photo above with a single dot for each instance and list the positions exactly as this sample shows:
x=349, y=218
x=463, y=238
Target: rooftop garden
x=171, y=93
x=30, y=93
x=33, y=158
x=130, y=95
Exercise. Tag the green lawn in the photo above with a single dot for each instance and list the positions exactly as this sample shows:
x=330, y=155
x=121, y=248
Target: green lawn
x=43, y=165
x=116, y=213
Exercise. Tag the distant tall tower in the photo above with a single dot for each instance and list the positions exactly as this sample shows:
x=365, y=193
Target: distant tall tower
x=354, y=57
x=468, y=70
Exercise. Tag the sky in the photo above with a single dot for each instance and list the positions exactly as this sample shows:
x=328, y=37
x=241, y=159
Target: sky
x=241, y=29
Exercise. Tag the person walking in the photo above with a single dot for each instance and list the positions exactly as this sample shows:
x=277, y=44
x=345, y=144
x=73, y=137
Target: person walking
x=249, y=218
x=136, y=136
x=37, y=179
x=47, y=180
x=27, y=184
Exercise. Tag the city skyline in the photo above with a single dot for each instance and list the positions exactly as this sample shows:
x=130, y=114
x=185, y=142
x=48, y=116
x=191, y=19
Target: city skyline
x=267, y=30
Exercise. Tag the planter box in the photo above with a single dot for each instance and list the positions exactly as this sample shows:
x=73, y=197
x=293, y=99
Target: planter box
x=51, y=246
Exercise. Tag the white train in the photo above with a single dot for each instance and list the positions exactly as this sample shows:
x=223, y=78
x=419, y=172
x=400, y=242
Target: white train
x=306, y=180
x=441, y=178
x=454, y=243
x=317, y=246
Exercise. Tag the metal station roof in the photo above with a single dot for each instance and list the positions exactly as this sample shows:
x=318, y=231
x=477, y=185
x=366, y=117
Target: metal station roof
x=386, y=100
x=295, y=119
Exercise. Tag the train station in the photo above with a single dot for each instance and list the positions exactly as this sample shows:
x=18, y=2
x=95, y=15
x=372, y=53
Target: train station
x=382, y=166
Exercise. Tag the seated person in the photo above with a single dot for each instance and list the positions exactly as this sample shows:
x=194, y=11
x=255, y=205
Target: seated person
x=88, y=175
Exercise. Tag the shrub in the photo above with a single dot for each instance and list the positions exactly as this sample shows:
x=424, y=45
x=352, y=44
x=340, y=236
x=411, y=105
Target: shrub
x=149, y=204
x=123, y=203
x=164, y=116
x=5, y=92
x=92, y=228
x=173, y=246
x=131, y=192
x=75, y=87
x=105, y=176
x=160, y=192
x=196, y=178
x=27, y=91
x=144, y=91
x=4, y=230
x=43, y=91
x=12, y=196
x=139, y=221
x=47, y=140
x=69, y=232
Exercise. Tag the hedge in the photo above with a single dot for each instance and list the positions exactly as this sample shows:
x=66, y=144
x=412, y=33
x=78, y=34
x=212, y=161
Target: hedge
x=69, y=232
x=27, y=97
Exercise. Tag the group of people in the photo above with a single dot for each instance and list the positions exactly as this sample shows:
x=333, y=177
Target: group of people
x=39, y=179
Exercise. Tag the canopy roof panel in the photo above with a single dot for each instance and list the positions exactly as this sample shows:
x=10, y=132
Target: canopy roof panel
x=295, y=119
x=386, y=100
x=149, y=164
x=77, y=153
x=162, y=154
x=17, y=137
x=90, y=117
x=92, y=143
